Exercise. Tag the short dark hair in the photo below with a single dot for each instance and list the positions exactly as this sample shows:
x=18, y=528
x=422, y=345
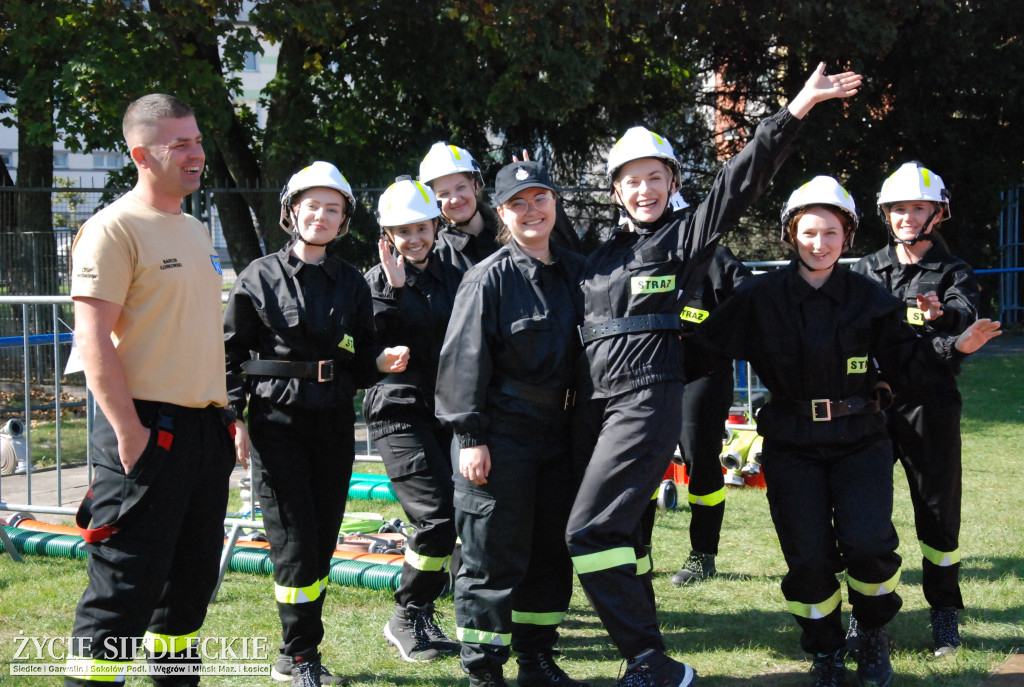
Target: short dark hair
x=152, y=107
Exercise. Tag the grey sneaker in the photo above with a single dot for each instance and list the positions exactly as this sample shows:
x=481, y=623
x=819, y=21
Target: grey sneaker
x=698, y=566
x=282, y=671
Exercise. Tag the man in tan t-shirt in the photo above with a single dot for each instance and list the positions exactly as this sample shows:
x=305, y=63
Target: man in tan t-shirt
x=146, y=283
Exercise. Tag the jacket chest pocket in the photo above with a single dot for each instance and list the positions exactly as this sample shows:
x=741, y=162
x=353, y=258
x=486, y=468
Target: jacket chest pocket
x=530, y=339
x=279, y=318
x=652, y=274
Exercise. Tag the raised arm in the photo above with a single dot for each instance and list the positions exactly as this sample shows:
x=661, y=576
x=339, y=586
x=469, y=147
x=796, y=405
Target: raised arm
x=821, y=87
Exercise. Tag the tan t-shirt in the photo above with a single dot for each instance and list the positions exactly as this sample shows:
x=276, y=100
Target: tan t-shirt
x=164, y=272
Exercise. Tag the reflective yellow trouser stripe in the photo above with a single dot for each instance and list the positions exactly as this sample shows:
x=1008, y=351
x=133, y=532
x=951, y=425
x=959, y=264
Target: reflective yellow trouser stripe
x=943, y=559
x=426, y=563
x=168, y=644
x=553, y=618
x=816, y=610
x=471, y=636
x=603, y=560
x=874, y=588
x=300, y=595
x=96, y=669
x=644, y=564
x=712, y=499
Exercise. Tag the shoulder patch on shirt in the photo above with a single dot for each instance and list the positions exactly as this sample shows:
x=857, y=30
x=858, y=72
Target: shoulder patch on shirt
x=215, y=260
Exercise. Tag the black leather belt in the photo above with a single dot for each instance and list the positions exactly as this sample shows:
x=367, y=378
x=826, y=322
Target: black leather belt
x=628, y=325
x=545, y=396
x=320, y=370
x=826, y=409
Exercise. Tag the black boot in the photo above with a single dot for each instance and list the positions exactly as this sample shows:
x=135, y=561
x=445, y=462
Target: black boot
x=538, y=669
x=487, y=678
x=698, y=566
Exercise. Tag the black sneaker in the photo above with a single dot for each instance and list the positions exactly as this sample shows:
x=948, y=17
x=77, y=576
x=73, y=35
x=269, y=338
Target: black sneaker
x=945, y=631
x=698, y=566
x=282, y=671
x=487, y=678
x=658, y=670
x=438, y=639
x=540, y=670
x=407, y=630
x=874, y=669
x=829, y=670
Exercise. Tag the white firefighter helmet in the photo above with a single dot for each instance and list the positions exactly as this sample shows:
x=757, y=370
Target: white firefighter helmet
x=405, y=202
x=914, y=181
x=821, y=190
x=639, y=143
x=317, y=175
x=443, y=159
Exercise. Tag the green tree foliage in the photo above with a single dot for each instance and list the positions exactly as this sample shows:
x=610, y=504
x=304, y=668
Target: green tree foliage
x=370, y=84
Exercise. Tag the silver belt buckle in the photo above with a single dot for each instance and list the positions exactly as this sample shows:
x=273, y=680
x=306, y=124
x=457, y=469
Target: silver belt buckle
x=325, y=371
x=821, y=410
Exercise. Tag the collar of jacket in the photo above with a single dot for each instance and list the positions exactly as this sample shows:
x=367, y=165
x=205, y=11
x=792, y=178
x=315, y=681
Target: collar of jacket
x=835, y=288
x=415, y=272
x=528, y=265
x=292, y=264
x=931, y=261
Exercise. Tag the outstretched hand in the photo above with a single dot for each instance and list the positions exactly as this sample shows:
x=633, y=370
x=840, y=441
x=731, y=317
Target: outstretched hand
x=977, y=335
x=930, y=305
x=526, y=156
x=821, y=87
x=394, y=359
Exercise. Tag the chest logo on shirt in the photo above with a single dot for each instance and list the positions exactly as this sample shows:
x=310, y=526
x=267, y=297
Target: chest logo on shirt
x=347, y=343
x=694, y=315
x=857, y=365
x=215, y=259
x=915, y=316
x=169, y=263
x=639, y=285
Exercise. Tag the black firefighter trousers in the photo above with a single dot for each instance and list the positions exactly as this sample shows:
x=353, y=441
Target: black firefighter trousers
x=155, y=575
x=305, y=460
x=832, y=509
x=515, y=582
x=418, y=462
x=626, y=444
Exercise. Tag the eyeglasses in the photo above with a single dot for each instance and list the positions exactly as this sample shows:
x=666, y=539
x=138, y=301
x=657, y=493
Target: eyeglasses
x=521, y=206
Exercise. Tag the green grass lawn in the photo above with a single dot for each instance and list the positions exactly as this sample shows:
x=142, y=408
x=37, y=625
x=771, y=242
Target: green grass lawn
x=733, y=629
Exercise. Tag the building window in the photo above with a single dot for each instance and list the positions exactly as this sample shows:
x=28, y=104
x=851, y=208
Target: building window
x=251, y=62
x=60, y=160
x=107, y=160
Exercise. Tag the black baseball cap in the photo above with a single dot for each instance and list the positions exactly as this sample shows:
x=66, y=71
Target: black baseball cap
x=517, y=176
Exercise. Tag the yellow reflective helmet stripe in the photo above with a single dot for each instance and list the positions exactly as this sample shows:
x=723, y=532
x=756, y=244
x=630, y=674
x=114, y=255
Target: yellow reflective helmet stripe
x=524, y=618
x=644, y=564
x=472, y=636
x=426, y=563
x=874, y=588
x=603, y=560
x=815, y=610
x=300, y=595
x=712, y=499
x=455, y=152
x=943, y=559
x=168, y=644
x=423, y=191
x=96, y=669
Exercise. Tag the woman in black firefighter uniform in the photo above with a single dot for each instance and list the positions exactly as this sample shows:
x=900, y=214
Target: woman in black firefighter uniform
x=503, y=386
x=413, y=293
x=826, y=343
x=706, y=401
x=925, y=419
x=634, y=289
x=307, y=317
